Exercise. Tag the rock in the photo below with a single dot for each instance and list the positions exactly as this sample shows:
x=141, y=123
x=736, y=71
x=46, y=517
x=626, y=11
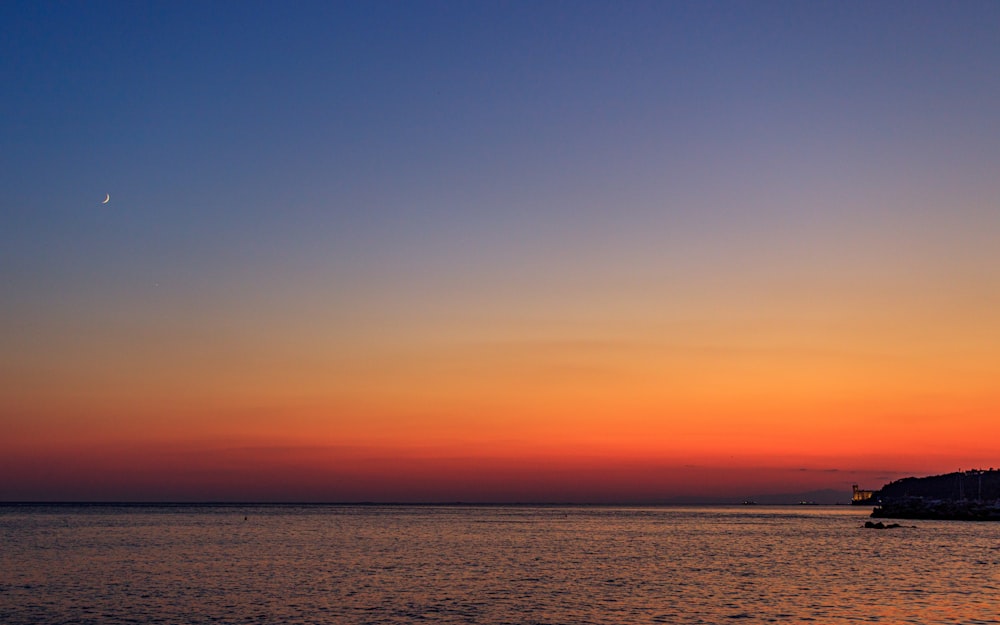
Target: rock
x=882, y=526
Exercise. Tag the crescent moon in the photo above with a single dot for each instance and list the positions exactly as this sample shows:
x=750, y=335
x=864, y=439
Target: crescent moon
x=107, y=199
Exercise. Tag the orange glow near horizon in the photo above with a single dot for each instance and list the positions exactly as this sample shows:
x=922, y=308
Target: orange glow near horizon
x=557, y=418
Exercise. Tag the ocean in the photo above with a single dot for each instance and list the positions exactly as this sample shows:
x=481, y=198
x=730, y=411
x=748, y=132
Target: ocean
x=489, y=565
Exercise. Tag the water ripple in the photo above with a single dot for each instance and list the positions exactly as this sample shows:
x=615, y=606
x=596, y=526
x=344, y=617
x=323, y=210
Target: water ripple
x=490, y=566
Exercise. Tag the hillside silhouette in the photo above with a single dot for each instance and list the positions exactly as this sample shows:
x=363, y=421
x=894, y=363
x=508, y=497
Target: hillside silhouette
x=975, y=484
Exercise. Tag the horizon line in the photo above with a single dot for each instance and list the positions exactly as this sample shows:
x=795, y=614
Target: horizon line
x=410, y=503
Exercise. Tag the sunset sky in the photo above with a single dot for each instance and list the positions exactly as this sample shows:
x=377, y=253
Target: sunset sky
x=478, y=251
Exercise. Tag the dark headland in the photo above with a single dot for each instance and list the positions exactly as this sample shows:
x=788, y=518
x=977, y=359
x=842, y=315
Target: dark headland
x=961, y=496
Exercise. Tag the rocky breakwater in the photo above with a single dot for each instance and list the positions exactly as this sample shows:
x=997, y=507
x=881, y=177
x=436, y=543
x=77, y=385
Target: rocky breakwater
x=934, y=509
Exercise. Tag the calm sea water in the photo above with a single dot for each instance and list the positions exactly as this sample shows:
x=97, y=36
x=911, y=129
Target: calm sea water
x=490, y=565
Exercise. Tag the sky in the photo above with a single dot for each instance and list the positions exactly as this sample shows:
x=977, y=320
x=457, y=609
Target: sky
x=496, y=251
